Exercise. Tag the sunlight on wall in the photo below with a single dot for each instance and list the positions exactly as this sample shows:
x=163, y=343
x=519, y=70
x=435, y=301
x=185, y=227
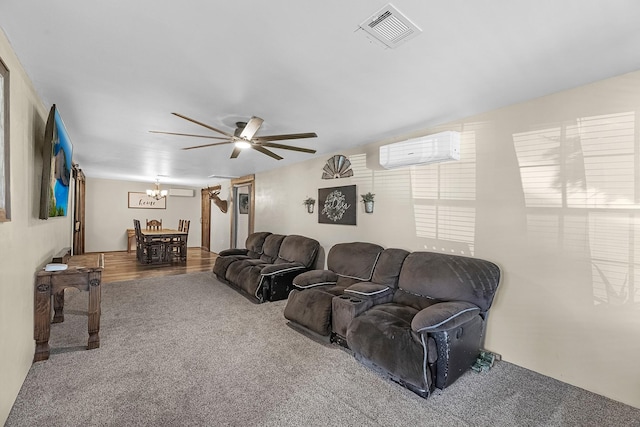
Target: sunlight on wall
x=579, y=181
x=444, y=201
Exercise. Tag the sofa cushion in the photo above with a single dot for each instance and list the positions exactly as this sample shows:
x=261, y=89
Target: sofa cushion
x=382, y=335
x=271, y=247
x=232, y=274
x=354, y=260
x=254, y=243
x=446, y=277
x=223, y=262
x=345, y=282
x=418, y=302
x=388, y=267
x=298, y=249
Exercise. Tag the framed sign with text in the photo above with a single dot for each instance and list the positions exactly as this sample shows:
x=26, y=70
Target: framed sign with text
x=337, y=205
x=143, y=201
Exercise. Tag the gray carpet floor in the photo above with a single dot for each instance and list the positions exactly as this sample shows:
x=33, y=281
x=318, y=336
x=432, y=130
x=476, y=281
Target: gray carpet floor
x=190, y=351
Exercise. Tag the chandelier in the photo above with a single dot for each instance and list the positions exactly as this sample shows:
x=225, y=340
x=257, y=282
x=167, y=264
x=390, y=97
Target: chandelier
x=156, y=193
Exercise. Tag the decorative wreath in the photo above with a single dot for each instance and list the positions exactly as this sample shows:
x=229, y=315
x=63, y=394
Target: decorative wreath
x=335, y=205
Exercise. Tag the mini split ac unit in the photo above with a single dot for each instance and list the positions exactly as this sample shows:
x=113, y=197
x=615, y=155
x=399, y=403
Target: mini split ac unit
x=181, y=192
x=439, y=147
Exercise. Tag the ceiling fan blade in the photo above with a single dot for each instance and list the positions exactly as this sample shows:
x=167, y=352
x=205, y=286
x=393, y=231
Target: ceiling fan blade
x=207, y=145
x=251, y=128
x=282, y=137
x=265, y=151
x=187, y=134
x=235, y=153
x=287, y=147
x=202, y=124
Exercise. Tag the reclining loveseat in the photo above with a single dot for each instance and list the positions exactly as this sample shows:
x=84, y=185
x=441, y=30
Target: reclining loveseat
x=425, y=331
x=355, y=269
x=266, y=270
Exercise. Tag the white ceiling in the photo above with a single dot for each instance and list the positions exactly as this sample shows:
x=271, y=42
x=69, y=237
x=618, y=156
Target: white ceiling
x=117, y=69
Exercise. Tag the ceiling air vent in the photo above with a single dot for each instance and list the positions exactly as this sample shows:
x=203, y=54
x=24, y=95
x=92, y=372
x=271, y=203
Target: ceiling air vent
x=390, y=27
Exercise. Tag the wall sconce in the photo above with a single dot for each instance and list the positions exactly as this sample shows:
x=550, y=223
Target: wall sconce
x=367, y=199
x=310, y=203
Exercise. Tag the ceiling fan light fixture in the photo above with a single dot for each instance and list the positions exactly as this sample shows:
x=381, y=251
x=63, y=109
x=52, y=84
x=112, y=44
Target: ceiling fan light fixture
x=243, y=138
x=243, y=144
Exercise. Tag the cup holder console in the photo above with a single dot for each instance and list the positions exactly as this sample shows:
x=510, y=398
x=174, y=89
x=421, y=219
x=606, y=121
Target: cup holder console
x=344, y=309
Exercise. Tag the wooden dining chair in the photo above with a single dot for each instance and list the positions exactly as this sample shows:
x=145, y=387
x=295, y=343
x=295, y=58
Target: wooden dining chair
x=149, y=249
x=179, y=243
x=139, y=240
x=154, y=224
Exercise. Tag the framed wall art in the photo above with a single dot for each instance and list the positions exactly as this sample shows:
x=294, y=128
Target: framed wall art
x=5, y=188
x=144, y=201
x=243, y=203
x=57, y=152
x=337, y=205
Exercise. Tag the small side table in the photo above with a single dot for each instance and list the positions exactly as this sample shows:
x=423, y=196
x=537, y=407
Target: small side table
x=52, y=284
x=131, y=238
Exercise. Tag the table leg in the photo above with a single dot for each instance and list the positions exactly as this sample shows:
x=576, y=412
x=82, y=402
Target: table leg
x=58, y=307
x=94, y=310
x=42, y=318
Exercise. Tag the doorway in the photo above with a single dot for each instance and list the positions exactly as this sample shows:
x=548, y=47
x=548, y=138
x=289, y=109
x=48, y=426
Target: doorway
x=205, y=215
x=243, y=209
x=79, y=191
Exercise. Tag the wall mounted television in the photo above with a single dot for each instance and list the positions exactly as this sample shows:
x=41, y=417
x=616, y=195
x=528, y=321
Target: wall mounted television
x=56, y=167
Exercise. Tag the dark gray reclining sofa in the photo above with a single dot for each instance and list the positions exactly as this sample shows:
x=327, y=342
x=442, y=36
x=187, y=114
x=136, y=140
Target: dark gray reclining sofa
x=424, y=332
x=352, y=268
x=265, y=269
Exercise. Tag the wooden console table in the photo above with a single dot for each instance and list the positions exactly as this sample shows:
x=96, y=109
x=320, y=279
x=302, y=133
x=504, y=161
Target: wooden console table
x=52, y=284
x=131, y=238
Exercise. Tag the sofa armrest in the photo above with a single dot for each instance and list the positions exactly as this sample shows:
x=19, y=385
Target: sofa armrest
x=369, y=290
x=228, y=252
x=313, y=278
x=444, y=316
x=282, y=268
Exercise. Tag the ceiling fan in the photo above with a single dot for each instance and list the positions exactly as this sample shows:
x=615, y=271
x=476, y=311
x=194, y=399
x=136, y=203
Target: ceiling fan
x=244, y=137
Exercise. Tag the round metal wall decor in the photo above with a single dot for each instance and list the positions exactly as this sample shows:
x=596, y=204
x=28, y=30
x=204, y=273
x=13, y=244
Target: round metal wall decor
x=337, y=166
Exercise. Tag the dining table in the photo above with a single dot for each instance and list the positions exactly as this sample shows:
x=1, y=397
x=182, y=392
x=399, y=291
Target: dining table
x=163, y=246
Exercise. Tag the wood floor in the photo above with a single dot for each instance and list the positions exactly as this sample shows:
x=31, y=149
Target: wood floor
x=119, y=266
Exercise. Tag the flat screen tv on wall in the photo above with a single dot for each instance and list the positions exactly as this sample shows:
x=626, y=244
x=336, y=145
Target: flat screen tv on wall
x=56, y=168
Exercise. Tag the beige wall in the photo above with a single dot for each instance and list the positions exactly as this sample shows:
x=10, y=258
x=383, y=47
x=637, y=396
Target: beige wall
x=108, y=216
x=549, y=190
x=27, y=242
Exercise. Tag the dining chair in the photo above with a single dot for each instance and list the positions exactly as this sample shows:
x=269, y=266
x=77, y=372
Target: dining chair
x=139, y=240
x=150, y=249
x=179, y=243
x=154, y=224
